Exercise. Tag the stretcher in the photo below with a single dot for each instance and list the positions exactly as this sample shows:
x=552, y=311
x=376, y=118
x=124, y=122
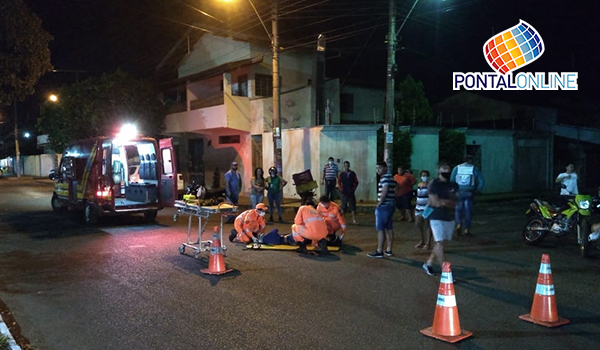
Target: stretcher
x=201, y=212
x=258, y=246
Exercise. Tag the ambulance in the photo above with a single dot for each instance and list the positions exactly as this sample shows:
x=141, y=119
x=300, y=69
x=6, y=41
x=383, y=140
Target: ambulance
x=116, y=175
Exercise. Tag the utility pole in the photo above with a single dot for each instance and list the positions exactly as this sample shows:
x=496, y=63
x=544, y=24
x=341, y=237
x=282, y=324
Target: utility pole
x=17, y=166
x=388, y=127
x=277, y=158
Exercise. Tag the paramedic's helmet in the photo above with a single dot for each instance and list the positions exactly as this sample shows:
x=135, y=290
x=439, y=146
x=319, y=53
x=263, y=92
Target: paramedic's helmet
x=273, y=170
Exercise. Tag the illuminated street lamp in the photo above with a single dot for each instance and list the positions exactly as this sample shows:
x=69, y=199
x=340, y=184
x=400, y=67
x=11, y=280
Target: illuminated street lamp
x=53, y=98
x=274, y=37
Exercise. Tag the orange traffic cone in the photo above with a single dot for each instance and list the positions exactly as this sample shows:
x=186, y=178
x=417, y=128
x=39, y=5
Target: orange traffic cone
x=543, y=310
x=216, y=264
x=446, y=325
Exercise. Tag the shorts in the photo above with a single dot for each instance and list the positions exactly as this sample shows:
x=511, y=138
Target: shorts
x=403, y=201
x=384, y=217
x=348, y=202
x=442, y=230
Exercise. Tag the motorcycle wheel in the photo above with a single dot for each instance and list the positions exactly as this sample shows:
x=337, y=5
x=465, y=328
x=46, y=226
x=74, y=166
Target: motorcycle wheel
x=534, y=231
x=584, y=243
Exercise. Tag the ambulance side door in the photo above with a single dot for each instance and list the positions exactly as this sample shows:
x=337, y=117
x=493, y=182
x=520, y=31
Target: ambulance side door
x=168, y=178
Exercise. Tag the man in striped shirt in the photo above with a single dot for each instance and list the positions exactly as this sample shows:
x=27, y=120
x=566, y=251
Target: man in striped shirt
x=384, y=213
x=330, y=174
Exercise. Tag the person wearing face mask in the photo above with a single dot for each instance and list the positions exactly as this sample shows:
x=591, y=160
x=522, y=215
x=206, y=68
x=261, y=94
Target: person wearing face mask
x=330, y=174
x=421, y=222
x=470, y=182
x=275, y=186
x=249, y=226
x=442, y=195
x=334, y=219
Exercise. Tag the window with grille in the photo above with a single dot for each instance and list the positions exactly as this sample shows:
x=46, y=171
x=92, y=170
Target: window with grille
x=263, y=85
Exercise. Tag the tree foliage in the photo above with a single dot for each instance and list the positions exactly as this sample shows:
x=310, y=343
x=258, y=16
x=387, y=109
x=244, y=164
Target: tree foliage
x=99, y=106
x=24, y=52
x=401, y=151
x=413, y=108
x=452, y=146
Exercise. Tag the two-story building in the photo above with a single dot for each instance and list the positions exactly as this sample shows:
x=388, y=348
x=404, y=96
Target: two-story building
x=221, y=110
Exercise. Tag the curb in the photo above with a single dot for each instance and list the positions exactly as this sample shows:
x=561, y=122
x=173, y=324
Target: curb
x=5, y=331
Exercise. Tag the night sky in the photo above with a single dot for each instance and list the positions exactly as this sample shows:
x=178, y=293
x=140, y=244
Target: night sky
x=439, y=38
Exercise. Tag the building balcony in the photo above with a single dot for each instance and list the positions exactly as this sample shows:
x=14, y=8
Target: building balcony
x=206, y=116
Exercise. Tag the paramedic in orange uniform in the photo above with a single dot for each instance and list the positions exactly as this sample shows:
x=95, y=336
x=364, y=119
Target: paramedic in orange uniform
x=309, y=224
x=333, y=219
x=249, y=226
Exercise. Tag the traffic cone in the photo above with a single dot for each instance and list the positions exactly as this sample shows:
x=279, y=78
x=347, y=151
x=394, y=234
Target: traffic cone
x=216, y=264
x=543, y=310
x=446, y=325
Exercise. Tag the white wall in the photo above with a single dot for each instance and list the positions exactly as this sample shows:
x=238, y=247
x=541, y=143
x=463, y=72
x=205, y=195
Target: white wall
x=296, y=111
x=309, y=148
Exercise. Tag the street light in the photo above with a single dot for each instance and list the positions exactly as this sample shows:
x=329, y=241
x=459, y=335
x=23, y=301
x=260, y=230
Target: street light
x=53, y=98
x=274, y=37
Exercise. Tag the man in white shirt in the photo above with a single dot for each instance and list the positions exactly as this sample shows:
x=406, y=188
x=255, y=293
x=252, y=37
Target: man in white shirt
x=568, y=184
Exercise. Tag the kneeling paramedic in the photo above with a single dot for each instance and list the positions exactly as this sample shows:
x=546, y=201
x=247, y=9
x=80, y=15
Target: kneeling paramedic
x=309, y=225
x=249, y=226
x=333, y=219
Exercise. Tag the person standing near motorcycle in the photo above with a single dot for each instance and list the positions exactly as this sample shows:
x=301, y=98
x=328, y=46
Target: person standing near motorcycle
x=233, y=186
x=568, y=182
x=257, y=187
x=470, y=181
x=275, y=185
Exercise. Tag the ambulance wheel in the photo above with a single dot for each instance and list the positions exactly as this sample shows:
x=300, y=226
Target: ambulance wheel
x=150, y=215
x=182, y=249
x=90, y=214
x=56, y=206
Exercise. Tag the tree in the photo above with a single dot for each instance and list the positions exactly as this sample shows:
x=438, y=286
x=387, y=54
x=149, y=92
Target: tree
x=24, y=52
x=98, y=106
x=413, y=107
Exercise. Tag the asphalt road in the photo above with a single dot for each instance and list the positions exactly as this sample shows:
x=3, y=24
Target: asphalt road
x=124, y=285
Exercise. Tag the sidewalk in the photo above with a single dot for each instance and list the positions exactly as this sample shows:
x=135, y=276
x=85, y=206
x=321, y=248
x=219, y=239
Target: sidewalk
x=291, y=205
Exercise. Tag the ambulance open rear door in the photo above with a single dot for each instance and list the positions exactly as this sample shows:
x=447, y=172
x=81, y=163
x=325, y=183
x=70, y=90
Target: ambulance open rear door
x=168, y=182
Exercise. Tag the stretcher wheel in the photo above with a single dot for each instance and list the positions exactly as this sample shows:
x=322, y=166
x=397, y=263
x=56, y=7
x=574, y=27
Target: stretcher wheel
x=182, y=249
x=196, y=253
x=175, y=217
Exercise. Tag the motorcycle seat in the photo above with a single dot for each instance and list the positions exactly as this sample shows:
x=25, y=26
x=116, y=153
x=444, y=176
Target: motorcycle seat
x=551, y=207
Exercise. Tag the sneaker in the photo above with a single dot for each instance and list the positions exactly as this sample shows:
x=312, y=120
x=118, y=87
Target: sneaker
x=232, y=235
x=376, y=255
x=270, y=219
x=428, y=269
x=388, y=253
x=280, y=219
x=466, y=232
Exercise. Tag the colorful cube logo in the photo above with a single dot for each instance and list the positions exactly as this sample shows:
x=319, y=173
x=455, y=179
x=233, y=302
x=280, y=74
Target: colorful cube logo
x=514, y=48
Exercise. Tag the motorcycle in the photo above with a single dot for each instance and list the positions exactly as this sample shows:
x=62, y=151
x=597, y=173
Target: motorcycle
x=204, y=196
x=546, y=218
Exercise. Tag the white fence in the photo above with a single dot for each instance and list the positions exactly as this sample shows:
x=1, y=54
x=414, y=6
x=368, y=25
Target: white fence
x=39, y=165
